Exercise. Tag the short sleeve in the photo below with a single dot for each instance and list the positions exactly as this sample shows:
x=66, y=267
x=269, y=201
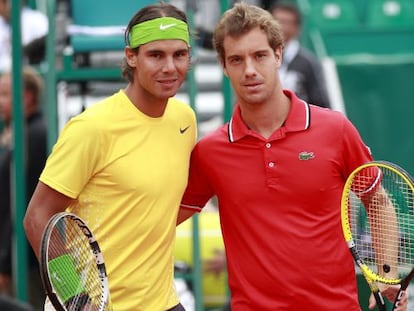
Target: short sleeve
x=75, y=158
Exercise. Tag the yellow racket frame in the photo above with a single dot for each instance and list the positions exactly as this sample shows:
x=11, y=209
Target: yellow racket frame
x=370, y=275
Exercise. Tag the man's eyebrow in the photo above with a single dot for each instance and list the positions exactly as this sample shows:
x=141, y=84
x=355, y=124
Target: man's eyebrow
x=155, y=50
x=254, y=52
x=183, y=50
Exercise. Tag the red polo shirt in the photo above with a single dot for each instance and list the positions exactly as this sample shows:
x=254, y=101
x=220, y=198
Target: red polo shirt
x=279, y=204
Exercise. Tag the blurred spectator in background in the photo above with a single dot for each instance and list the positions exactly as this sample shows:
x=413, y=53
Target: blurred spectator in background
x=266, y=4
x=301, y=71
x=35, y=158
x=34, y=27
x=217, y=265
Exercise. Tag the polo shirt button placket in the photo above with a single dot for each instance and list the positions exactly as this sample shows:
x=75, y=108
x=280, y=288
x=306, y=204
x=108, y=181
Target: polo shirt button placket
x=270, y=164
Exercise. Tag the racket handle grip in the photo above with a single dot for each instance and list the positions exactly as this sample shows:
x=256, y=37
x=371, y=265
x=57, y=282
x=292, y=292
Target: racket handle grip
x=78, y=302
x=380, y=301
x=400, y=295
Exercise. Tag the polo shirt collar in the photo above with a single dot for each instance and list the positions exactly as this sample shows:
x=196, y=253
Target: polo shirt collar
x=298, y=119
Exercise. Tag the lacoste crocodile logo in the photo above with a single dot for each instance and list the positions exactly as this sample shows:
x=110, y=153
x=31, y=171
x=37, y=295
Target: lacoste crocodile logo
x=304, y=156
x=165, y=27
x=182, y=130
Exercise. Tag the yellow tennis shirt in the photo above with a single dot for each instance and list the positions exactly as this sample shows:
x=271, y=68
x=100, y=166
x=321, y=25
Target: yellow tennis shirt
x=128, y=173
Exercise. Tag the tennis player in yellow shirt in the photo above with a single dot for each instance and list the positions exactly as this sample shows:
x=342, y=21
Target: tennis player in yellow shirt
x=122, y=165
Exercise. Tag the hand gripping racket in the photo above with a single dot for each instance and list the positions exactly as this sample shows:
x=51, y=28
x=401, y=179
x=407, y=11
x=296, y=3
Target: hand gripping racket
x=378, y=224
x=72, y=266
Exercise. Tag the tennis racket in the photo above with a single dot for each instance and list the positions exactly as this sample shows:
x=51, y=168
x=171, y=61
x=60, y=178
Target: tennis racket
x=72, y=266
x=378, y=224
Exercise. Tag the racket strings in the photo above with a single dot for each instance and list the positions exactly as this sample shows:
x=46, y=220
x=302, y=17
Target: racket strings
x=70, y=254
x=384, y=231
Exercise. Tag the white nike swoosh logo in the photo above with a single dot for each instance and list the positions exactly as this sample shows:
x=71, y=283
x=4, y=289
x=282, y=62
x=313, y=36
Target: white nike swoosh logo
x=164, y=27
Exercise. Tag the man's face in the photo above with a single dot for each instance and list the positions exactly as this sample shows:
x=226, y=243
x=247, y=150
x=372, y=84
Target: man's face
x=161, y=67
x=5, y=98
x=5, y=9
x=252, y=66
x=288, y=22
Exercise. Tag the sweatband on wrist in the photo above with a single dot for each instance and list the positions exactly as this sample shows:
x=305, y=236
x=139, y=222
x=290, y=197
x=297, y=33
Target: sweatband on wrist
x=65, y=278
x=162, y=28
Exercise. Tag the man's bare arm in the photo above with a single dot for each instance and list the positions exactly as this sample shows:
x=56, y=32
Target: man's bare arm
x=44, y=203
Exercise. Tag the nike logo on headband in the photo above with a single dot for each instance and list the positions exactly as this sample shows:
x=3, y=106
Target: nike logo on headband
x=164, y=27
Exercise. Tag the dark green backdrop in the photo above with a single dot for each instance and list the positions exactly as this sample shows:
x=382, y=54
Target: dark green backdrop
x=378, y=99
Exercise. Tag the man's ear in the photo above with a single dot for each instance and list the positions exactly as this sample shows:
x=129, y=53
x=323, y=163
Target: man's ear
x=28, y=98
x=279, y=54
x=131, y=56
x=223, y=65
x=30, y=102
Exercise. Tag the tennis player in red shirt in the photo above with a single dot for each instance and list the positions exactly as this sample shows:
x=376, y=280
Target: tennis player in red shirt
x=278, y=169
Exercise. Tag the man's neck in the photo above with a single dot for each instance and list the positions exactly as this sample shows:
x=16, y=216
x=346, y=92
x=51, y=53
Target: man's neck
x=267, y=118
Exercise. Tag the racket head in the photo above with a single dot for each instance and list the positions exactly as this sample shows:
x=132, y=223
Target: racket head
x=389, y=221
x=72, y=267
